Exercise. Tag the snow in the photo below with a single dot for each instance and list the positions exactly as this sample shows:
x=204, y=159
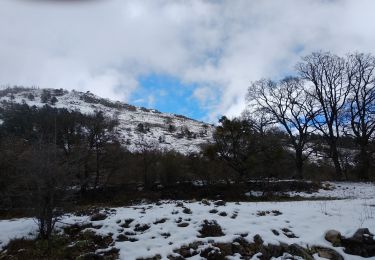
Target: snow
x=16, y=228
x=307, y=220
x=129, y=120
x=341, y=190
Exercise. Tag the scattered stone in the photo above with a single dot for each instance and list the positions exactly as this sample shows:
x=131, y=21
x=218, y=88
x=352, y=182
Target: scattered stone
x=187, y=211
x=156, y=257
x=127, y=223
x=225, y=248
x=188, y=250
x=263, y=213
x=223, y=214
x=295, y=249
x=327, y=253
x=179, y=204
x=212, y=253
x=258, y=239
x=334, y=237
x=213, y=211
x=141, y=228
x=121, y=238
x=219, y=203
x=183, y=224
x=98, y=217
x=288, y=233
x=165, y=235
x=275, y=232
x=361, y=243
x=160, y=221
x=205, y=202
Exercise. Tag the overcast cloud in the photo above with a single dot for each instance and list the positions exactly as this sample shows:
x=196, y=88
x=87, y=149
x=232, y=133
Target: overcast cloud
x=218, y=46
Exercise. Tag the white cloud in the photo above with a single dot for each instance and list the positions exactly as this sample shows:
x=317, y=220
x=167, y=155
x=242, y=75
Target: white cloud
x=220, y=46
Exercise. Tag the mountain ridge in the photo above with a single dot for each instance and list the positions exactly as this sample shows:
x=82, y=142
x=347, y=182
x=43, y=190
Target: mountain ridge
x=139, y=127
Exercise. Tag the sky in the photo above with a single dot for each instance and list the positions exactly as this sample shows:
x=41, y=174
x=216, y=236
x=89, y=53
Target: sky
x=195, y=58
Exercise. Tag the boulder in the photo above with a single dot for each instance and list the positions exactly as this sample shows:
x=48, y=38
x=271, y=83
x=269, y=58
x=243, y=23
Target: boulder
x=361, y=243
x=297, y=250
x=219, y=203
x=328, y=253
x=334, y=237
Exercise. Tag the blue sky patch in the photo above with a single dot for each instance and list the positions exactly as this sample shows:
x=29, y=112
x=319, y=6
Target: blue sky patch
x=168, y=94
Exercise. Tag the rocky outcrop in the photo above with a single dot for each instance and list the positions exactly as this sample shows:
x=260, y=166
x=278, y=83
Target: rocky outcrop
x=362, y=243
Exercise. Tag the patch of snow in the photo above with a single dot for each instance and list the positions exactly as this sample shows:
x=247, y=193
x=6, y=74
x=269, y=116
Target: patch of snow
x=308, y=220
x=341, y=190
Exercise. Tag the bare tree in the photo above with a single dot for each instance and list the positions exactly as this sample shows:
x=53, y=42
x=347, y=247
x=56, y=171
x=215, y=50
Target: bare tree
x=330, y=88
x=46, y=183
x=260, y=120
x=290, y=106
x=361, y=76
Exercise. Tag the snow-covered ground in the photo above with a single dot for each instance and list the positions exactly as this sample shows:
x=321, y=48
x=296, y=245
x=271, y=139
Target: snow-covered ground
x=341, y=190
x=307, y=220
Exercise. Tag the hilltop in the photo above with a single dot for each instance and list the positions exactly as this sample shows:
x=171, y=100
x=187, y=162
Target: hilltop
x=138, y=126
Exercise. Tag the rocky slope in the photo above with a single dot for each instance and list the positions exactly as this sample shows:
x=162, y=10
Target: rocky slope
x=139, y=128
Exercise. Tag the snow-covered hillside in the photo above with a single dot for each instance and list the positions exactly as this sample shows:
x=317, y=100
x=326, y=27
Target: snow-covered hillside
x=139, y=128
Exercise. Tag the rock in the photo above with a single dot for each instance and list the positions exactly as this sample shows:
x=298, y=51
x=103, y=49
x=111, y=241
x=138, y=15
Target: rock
x=187, y=211
x=188, y=250
x=98, y=216
x=206, y=202
x=258, y=239
x=362, y=235
x=219, y=203
x=271, y=251
x=212, y=253
x=141, y=227
x=328, y=253
x=295, y=249
x=361, y=243
x=225, y=248
x=334, y=237
x=183, y=224
x=223, y=214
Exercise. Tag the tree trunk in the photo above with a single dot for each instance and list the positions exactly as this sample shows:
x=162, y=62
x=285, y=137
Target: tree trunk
x=364, y=164
x=84, y=179
x=299, y=164
x=97, y=170
x=336, y=161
